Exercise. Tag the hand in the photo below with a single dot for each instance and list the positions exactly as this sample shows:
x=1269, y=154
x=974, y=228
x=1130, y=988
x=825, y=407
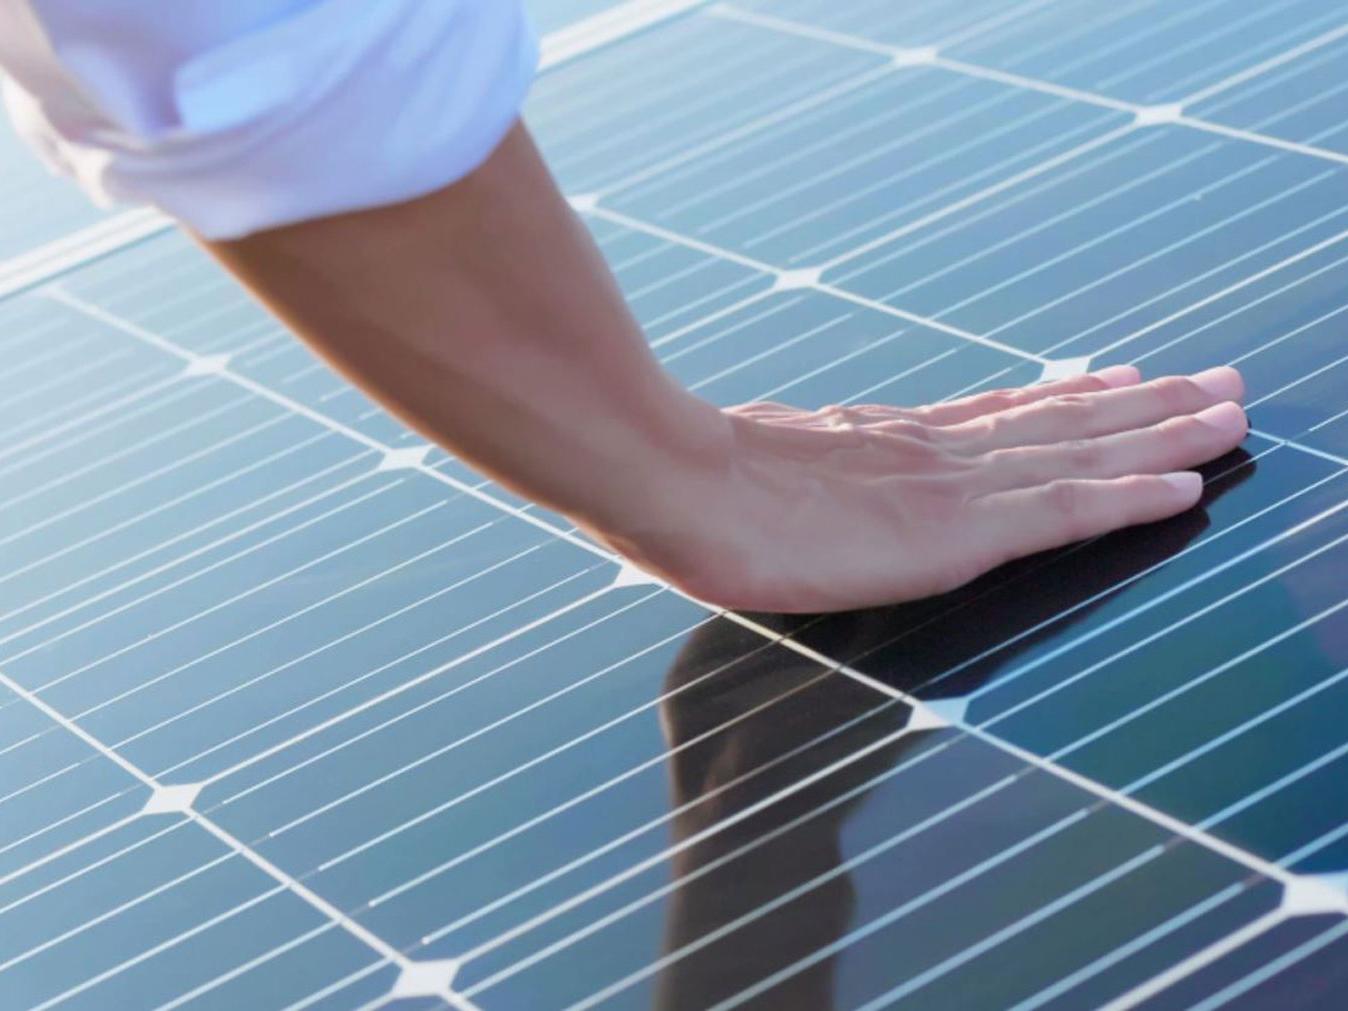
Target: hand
x=483, y=316
x=856, y=506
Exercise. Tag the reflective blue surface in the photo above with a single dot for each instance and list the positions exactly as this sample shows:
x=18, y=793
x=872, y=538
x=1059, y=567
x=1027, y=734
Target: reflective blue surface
x=553, y=15
x=410, y=718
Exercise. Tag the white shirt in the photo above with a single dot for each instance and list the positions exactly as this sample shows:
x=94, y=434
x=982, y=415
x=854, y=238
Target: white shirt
x=238, y=115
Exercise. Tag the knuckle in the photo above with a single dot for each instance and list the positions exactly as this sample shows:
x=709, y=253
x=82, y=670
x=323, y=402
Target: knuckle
x=1072, y=402
x=937, y=500
x=925, y=415
x=1005, y=399
x=915, y=431
x=915, y=451
x=1073, y=408
x=985, y=430
x=1068, y=505
x=756, y=408
x=1186, y=430
x=1022, y=461
x=1175, y=392
x=836, y=415
x=1082, y=455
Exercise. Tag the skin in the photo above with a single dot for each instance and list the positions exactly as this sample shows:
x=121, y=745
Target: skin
x=484, y=317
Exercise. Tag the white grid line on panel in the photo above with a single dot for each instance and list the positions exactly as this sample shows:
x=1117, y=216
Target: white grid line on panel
x=1264, y=66
x=157, y=949
x=1147, y=115
x=277, y=622
x=270, y=870
x=74, y=875
x=157, y=889
x=246, y=967
x=1154, y=254
x=1231, y=289
x=29, y=269
x=953, y=962
x=1186, y=968
x=609, y=26
x=165, y=505
x=1141, y=608
x=1188, y=617
x=64, y=819
x=398, y=689
x=1124, y=951
x=340, y=984
x=284, y=881
x=429, y=756
x=593, y=926
x=642, y=766
x=1266, y=972
x=374, y=672
x=789, y=113
x=89, y=622
x=115, y=407
x=717, y=826
x=68, y=407
x=266, y=393
x=202, y=452
x=807, y=279
x=200, y=550
x=330, y=644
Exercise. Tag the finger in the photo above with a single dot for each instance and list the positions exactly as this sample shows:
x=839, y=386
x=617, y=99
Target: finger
x=1085, y=416
x=956, y=412
x=872, y=413
x=763, y=407
x=1011, y=524
x=853, y=415
x=1174, y=444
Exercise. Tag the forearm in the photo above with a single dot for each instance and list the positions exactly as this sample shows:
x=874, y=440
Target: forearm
x=485, y=318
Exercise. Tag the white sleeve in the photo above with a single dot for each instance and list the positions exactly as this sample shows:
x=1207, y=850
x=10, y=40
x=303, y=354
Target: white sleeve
x=234, y=117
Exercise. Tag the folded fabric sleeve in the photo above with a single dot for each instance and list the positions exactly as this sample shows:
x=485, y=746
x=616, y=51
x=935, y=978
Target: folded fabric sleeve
x=249, y=114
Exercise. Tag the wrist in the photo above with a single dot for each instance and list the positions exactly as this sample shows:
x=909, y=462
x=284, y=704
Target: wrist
x=657, y=507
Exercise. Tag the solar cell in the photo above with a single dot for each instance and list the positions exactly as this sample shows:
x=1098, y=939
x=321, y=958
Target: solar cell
x=552, y=15
x=35, y=206
x=297, y=711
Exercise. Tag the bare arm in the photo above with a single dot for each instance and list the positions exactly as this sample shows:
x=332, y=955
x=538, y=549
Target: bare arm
x=485, y=318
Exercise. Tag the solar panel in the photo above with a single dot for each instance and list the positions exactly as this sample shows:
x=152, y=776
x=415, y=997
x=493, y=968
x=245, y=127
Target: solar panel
x=34, y=205
x=297, y=711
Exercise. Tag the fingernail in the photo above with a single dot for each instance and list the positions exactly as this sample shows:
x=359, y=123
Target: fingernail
x=1223, y=382
x=1186, y=482
x=1119, y=375
x=1226, y=416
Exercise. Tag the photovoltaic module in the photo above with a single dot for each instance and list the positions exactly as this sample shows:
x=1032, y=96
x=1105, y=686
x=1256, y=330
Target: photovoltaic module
x=297, y=711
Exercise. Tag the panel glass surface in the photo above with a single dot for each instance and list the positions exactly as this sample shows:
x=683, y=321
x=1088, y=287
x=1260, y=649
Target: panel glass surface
x=36, y=207
x=297, y=711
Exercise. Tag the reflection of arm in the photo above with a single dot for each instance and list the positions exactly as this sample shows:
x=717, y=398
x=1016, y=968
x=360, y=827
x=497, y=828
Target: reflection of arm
x=722, y=763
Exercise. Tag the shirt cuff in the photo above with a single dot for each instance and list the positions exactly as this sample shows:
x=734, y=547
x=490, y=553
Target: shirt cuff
x=348, y=104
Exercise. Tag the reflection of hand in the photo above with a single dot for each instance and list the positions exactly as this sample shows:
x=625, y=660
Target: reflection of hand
x=850, y=507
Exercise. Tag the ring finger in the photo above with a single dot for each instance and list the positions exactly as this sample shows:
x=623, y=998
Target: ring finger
x=1173, y=445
